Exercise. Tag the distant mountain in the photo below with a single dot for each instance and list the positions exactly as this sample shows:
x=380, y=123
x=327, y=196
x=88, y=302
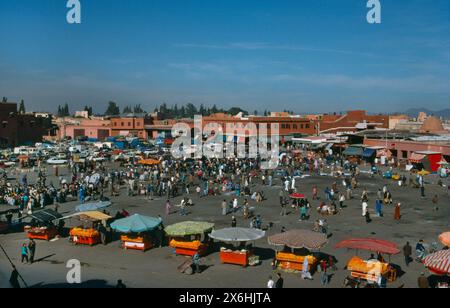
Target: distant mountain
x=414, y=112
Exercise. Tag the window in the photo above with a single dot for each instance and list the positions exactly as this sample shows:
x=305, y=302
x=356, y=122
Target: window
x=295, y=126
x=302, y=126
x=122, y=124
x=4, y=124
x=307, y=126
x=129, y=124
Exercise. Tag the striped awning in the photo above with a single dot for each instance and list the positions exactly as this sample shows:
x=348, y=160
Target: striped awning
x=439, y=262
x=297, y=239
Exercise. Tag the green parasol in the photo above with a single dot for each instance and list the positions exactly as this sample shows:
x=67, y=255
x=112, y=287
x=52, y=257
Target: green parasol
x=188, y=228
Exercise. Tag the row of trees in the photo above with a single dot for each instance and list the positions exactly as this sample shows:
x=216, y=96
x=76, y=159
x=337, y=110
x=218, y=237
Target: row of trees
x=21, y=105
x=190, y=110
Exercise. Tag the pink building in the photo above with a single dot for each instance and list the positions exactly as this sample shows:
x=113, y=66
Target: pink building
x=76, y=127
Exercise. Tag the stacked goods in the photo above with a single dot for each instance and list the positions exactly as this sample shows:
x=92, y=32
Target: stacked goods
x=295, y=262
x=195, y=245
x=84, y=232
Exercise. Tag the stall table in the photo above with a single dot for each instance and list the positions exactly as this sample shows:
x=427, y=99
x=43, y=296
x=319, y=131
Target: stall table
x=85, y=236
x=235, y=257
x=290, y=261
x=136, y=243
x=371, y=270
x=189, y=248
x=43, y=233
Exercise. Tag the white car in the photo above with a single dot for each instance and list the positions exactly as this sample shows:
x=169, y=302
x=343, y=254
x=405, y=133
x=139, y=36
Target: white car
x=57, y=161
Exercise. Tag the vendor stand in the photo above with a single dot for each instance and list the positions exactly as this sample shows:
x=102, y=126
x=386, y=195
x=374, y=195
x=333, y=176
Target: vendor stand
x=244, y=257
x=87, y=234
x=138, y=231
x=186, y=237
x=92, y=206
x=43, y=229
x=371, y=270
x=296, y=240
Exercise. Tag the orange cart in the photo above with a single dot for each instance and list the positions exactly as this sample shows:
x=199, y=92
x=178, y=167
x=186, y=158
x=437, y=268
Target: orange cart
x=189, y=237
x=87, y=233
x=242, y=257
x=188, y=248
x=292, y=261
x=42, y=233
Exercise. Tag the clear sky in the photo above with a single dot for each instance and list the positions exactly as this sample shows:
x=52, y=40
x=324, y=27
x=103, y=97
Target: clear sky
x=302, y=55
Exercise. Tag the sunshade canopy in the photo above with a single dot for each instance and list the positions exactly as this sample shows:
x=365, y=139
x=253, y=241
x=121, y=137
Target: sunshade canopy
x=370, y=244
x=136, y=224
x=439, y=262
x=92, y=206
x=445, y=238
x=237, y=235
x=416, y=158
x=297, y=239
x=46, y=215
x=92, y=216
x=368, y=153
x=297, y=196
x=189, y=228
x=353, y=151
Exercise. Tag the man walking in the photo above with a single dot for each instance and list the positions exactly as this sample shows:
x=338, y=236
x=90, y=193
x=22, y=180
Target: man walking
x=407, y=252
x=32, y=250
x=280, y=282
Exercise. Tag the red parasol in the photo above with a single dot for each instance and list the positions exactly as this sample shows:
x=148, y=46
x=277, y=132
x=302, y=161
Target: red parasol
x=370, y=244
x=297, y=196
x=438, y=263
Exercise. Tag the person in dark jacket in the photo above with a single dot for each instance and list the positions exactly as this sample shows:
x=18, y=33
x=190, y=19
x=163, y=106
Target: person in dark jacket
x=407, y=252
x=280, y=282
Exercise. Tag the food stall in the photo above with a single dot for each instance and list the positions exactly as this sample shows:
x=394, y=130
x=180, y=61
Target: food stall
x=371, y=270
x=244, y=257
x=92, y=206
x=138, y=231
x=42, y=227
x=189, y=237
x=297, y=245
x=86, y=234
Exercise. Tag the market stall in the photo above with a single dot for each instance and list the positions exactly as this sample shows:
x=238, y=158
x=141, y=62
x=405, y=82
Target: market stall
x=92, y=206
x=243, y=257
x=42, y=227
x=297, y=246
x=138, y=231
x=371, y=270
x=189, y=237
x=87, y=234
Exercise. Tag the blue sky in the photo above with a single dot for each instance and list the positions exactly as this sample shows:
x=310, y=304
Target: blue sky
x=307, y=56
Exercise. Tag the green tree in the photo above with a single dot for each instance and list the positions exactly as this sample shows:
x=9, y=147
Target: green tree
x=127, y=109
x=22, y=107
x=138, y=109
x=112, y=109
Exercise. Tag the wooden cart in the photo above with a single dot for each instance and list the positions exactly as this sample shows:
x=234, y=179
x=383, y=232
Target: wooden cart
x=290, y=261
x=43, y=233
x=137, y=243
x=188, y=248
x=235, y=257
x=89, y=237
